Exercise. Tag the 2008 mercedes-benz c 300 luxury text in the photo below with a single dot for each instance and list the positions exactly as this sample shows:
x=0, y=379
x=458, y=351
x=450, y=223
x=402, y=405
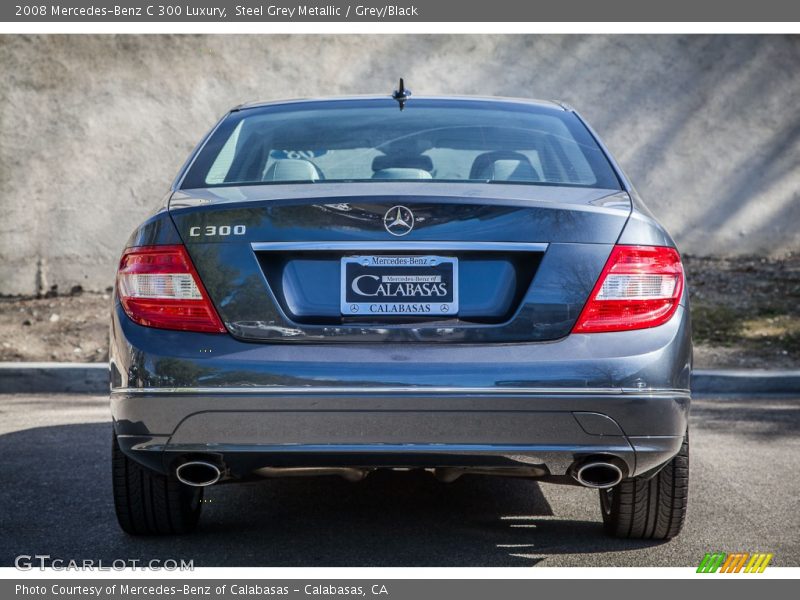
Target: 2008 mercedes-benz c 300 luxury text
x=461, y=285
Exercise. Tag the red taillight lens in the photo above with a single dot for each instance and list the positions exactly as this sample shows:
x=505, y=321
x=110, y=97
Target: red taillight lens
x=639, y=287
x=159, y=287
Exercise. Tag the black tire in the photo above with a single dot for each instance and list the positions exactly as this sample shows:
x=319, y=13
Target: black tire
x=652, y=509
x=148, y=503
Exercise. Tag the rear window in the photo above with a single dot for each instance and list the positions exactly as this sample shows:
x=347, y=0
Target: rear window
x=372, y=140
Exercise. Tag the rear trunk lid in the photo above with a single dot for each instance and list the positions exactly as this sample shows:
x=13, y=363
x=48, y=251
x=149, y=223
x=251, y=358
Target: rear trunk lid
x=279, y=261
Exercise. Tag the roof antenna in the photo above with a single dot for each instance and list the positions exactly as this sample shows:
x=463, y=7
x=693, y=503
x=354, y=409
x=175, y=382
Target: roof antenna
x=401, y=95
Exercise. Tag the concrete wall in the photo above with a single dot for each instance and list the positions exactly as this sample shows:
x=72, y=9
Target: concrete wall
x=93, y=128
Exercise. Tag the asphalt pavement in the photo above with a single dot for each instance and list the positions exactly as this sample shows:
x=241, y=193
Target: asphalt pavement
x=55, y=499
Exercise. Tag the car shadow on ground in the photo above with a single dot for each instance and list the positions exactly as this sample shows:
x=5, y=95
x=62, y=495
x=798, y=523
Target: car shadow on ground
x=56, y=499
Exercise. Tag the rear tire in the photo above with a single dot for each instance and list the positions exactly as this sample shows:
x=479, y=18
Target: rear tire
x=148, y=503
x=654, y=508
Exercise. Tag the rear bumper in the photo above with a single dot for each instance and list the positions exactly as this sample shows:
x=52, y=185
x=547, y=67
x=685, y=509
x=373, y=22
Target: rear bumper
x=401, y=405
x=402, y=428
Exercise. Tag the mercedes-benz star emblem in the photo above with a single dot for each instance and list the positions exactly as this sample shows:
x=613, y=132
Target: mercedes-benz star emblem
x=398, y=220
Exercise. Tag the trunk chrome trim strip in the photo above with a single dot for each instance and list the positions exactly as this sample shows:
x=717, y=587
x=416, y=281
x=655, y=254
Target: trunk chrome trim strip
x=369, y=246
x=401, y=390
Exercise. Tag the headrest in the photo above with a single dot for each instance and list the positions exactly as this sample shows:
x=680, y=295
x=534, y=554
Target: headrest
x=511, y=166
x=509, y=170
x=401, y=174
x=292, y=169
x=402, y=161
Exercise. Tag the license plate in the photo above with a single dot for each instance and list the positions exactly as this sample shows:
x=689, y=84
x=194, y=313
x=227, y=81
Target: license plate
x=399, y=285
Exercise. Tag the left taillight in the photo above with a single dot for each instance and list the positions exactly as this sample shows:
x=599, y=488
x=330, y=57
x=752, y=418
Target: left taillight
x=158, y=287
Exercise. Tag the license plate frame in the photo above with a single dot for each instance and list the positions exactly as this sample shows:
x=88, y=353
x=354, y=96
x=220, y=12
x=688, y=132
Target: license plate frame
x=401, y=271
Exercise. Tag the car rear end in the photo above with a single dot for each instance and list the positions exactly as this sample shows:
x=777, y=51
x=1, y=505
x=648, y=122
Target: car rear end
x=466, y=286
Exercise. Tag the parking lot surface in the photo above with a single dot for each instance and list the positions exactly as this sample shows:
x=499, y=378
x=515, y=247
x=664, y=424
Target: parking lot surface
x=55, y=499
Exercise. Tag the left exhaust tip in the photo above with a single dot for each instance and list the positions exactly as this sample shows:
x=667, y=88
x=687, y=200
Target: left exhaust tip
x=598, y=474
x=198, y=473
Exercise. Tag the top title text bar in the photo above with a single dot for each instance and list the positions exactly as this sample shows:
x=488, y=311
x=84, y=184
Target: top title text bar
x=463, y=11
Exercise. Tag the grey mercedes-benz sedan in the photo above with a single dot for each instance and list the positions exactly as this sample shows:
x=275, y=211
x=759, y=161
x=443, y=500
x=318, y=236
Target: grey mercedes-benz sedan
x=459, y=285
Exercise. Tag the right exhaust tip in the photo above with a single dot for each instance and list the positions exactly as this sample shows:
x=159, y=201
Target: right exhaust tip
x=598, y=474
x=198, y=473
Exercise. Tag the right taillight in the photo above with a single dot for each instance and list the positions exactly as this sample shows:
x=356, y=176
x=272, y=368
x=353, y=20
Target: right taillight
x=158, y=286
x=640, y=287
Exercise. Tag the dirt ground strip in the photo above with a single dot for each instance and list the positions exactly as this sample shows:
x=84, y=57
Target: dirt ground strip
x=745, y=311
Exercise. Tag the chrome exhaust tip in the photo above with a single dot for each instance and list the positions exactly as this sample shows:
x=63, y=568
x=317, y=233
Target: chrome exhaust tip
x=598, y=474
x=198, y=473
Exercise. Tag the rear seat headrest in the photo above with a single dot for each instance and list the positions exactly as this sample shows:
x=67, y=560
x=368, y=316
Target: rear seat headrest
x=503, y=165
x=292, y=169
x=401, y=174
x=509, y=170
x=402, y=161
